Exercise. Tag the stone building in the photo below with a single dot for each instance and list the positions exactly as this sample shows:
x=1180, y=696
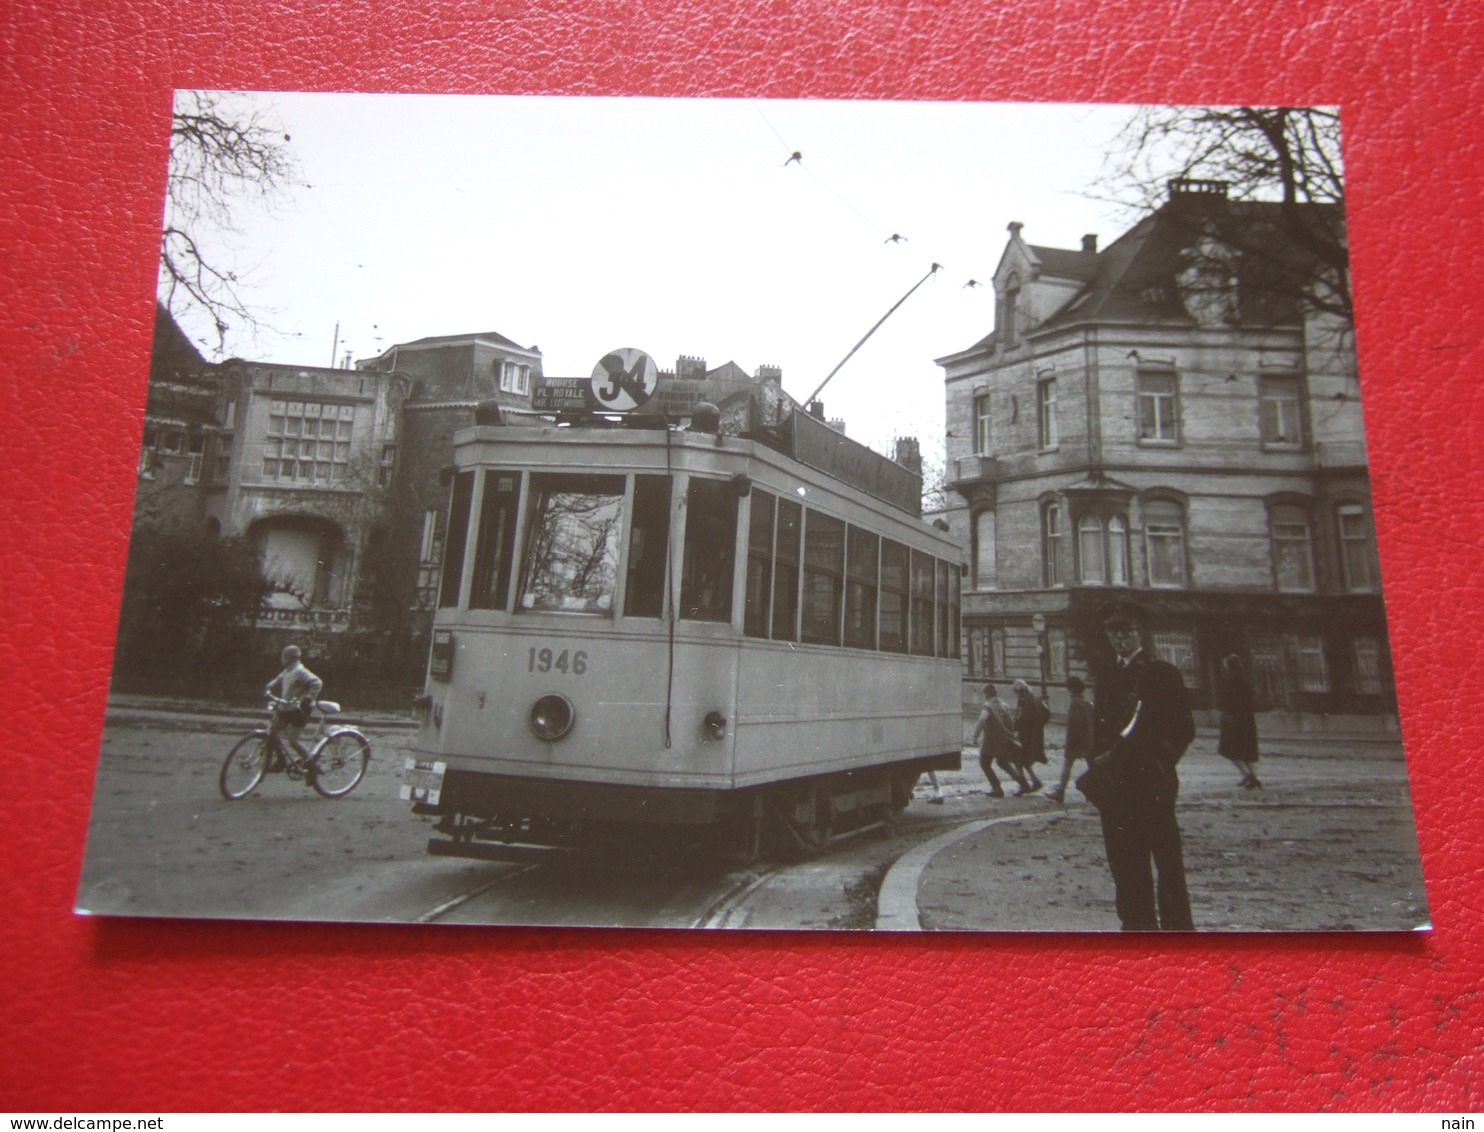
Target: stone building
x=1175, y=418
x=303, y=468
x=181, y=430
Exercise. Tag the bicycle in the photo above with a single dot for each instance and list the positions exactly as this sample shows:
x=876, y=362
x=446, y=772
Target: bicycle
x=335, y=766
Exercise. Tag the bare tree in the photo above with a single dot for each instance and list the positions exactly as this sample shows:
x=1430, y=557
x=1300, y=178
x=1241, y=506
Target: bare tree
x=1283, y=154
x=222, y=152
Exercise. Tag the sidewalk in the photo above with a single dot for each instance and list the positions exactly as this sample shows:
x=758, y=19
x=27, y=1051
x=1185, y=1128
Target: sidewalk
x=1329, y=844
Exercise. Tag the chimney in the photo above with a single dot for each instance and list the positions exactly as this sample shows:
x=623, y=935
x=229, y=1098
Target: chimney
x=1014, y=228
x=816, y=410
x=687, y=366
x=1090, y=243
x=1192, y=194
x=909, y=454
x=773, y=375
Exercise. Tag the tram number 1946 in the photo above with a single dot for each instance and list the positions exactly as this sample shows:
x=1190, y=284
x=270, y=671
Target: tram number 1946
x=544, y=660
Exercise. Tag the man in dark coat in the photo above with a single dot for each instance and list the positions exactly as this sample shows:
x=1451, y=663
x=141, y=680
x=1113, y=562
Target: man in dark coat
x=1143, y=725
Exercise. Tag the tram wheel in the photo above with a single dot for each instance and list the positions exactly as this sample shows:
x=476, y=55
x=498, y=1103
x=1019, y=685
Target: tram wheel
x=801, y=821
x=901, y=792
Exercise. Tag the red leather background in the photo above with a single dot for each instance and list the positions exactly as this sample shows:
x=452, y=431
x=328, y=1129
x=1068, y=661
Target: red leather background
x=97, y=1014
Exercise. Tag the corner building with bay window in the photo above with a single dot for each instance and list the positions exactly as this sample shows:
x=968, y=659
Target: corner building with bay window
x=1175, y=419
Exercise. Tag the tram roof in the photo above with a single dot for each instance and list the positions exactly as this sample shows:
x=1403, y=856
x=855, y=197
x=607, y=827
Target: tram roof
x=797, y=436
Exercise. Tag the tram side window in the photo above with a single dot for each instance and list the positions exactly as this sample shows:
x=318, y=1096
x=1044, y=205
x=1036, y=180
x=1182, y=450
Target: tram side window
x=492, y=555
x=955, y=584
x=759, y=565
x=786, y=571
x=644, y=592
x=571, y=559
x=458, y=536
x=860, y=589
x=922, y=604
x=945, y=606
x=893, y=597
x=710, y=545
x=824, y=575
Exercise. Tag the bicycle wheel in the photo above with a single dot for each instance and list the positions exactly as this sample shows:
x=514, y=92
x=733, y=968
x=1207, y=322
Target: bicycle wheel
x=244, y=768
x=339, y=763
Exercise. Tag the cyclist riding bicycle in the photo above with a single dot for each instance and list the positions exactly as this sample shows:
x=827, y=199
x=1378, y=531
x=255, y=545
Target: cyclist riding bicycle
x=299, y=688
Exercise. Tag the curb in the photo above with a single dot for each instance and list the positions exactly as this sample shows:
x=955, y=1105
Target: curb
x=896, y=903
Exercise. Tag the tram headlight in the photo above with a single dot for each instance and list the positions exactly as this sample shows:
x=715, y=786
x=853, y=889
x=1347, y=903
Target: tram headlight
x=552, y=717
x=715, y=724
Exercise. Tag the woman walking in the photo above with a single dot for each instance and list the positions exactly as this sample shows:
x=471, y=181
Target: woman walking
x=1030, y=728
x=1238, y=742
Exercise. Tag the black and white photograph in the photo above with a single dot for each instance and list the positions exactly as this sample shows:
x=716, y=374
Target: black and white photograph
x=754, y=514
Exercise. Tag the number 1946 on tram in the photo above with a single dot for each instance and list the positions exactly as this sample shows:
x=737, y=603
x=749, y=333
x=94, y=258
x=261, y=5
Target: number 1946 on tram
x=683, y=637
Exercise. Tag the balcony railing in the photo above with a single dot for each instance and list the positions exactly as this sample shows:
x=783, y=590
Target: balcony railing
x=332, y=619
x=975, y=469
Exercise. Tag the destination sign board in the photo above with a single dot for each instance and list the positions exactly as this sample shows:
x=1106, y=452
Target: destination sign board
x=820, y=446
x=562, y=395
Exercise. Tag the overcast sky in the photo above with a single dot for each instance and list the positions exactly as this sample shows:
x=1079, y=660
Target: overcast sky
x=675, y=226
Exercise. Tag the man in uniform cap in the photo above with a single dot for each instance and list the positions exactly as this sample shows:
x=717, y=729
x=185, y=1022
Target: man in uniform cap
x=1143, y=725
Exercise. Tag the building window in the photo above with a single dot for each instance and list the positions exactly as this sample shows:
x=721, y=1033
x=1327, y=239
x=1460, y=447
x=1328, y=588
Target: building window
x=1117, y=551
x=1357, y=549
x=1056, y=653
x=1293, y=549
x=1164, y=543
x=982, y=425
x=1367, y=652
x=986, y=652
x=1177, y=646
x=1159, y=408
x=1102, y=551
x=1306, y=651
x=388, y=464
x=1046, y=412
x=985, y=572
x=1051, y=544
x=229, y=416
x=515, y=378
x=1279, y=408
x=196, y=451
x=307, y=442
x=1091, y=559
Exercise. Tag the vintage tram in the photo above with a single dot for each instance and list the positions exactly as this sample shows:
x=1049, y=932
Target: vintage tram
x=732, y=633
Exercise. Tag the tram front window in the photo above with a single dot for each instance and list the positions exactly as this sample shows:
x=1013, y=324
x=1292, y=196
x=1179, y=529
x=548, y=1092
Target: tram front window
x=571, y=559
x=644, y=594
x=710, y=544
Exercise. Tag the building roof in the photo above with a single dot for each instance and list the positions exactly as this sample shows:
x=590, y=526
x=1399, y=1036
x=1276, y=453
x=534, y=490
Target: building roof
x=1065, y=263
x=1136, y=278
